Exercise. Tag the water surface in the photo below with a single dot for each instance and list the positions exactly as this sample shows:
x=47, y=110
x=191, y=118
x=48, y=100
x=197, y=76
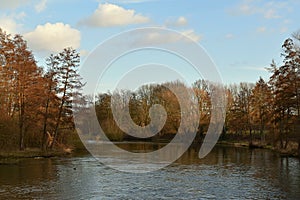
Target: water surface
x=226, y=173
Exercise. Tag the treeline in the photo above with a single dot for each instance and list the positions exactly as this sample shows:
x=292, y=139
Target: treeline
x=35, y=102
x=266, y=112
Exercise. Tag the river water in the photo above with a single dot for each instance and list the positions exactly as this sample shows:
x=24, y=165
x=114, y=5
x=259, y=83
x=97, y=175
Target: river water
x=226, y=173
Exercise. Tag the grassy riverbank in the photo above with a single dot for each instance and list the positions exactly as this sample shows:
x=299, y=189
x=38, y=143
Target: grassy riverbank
x=33, y=153
x=74, y=148
x=13, y=157
x=290, y=151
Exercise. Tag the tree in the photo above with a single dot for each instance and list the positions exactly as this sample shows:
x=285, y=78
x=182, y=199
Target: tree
x=19, y=74
x=26, y=75
x=202, y=90
x=50, y=100
x=65, y=66
x=239, y=107
x=260, y=109
x=285, y=84
x=6, y=74
x=105, y=117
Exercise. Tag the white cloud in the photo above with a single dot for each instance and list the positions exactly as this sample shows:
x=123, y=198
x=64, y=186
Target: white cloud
x=108, y=15
x=284, y=26
x=11, y=23
x=181, y=21
x=246, y=9
x=11, y=4
x=40, y=6
x=271, y=14
x=253, y=68
x=283, y=29
x=229, y=36
x=20, y=16
x=84, y=53
x=261, y=29
x=269, y=10
x=154, y=38
x=8, y=24
x=130, y=1
x=192, y=35
x=53, y=37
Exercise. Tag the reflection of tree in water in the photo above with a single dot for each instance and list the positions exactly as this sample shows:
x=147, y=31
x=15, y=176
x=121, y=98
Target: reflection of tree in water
x=28, y=172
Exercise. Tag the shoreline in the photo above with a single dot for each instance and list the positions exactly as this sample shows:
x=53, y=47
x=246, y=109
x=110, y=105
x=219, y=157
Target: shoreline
x=7, y=156
x=12, y=157
x=29, y=153
x=245, y=144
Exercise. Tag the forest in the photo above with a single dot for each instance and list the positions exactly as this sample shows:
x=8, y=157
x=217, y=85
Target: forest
x=36, y=102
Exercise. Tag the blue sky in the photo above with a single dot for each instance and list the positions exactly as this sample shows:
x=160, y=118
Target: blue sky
x=241, y=36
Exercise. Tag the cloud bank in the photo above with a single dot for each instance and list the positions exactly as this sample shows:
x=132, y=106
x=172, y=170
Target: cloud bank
x=108, y=15
x=53, y=37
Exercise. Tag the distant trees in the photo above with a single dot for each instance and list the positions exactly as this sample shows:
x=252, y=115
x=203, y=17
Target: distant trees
x=271, y=107
x=105, y=117
x=202, y=91
x=140, y=103
x=264, y=112
x=261, y=110
x=239, y=117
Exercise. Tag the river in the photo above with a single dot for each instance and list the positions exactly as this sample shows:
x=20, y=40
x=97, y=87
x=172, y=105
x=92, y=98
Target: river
x=226, y=173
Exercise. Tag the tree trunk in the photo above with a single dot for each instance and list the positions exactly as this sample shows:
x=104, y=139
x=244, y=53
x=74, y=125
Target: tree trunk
x=251, y=139
x=56, y=127
x=286, y=140
x=299, y=147
x=60, y=109
x=22, y=146
x=21, y=122
x=44, y=140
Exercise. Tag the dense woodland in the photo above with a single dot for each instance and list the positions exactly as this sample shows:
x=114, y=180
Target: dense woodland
x=35, y=102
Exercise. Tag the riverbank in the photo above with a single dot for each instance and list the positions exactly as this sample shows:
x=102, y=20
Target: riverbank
x=32, y=153
x=8, y=157
x=12, y=157
x=291, y=151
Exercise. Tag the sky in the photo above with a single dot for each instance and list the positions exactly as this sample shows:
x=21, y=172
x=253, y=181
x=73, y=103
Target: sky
x=241, y=36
